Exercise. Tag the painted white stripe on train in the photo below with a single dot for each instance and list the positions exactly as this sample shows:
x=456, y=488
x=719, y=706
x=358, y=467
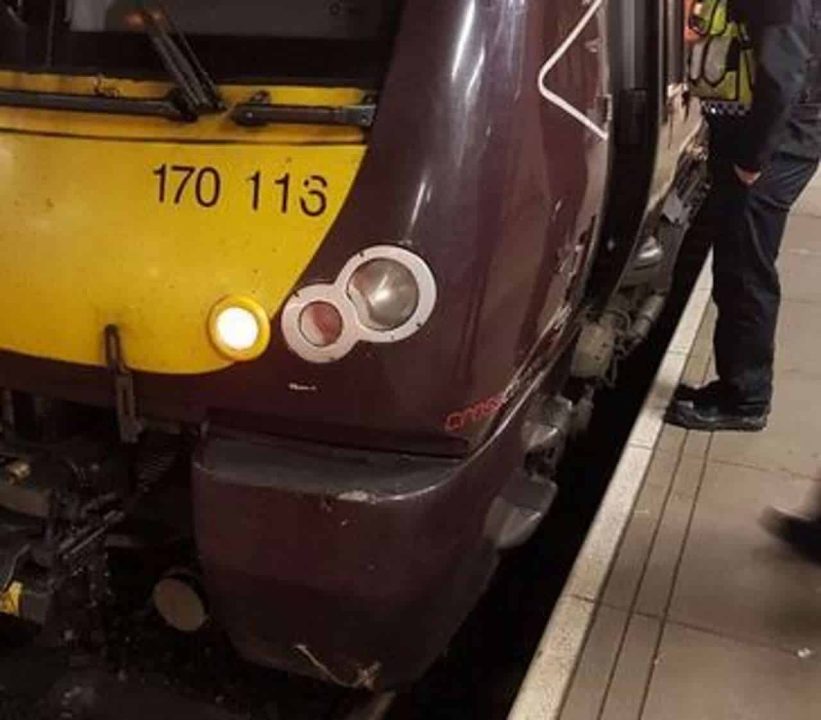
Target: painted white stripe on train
x=557, y=100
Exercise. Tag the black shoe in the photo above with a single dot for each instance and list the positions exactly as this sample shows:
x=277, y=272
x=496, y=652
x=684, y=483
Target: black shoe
x=714, y=391
x=802, y=534
x=710, y=409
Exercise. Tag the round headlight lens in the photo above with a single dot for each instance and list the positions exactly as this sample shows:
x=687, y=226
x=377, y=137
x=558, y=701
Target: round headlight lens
x=239, y=328
x=320, y=324
x=385, y=294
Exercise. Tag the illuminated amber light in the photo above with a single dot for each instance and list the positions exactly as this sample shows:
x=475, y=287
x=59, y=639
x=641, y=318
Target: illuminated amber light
x=239, y=328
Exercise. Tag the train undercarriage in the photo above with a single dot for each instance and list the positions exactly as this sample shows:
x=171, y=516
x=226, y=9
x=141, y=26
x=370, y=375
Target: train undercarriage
x=70, y=493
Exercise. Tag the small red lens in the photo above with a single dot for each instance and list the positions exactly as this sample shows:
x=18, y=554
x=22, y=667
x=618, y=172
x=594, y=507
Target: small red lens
x=321, y=324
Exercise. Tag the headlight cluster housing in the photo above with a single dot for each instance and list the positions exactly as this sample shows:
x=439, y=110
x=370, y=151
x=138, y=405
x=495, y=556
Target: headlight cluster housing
x=384, y=294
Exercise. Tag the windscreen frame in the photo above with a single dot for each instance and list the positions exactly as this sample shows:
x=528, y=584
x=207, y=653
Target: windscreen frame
x=46, y=43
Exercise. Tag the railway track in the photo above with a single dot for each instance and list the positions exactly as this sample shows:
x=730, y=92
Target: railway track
x=95, y=694
x=148, y=673
x=374, y=708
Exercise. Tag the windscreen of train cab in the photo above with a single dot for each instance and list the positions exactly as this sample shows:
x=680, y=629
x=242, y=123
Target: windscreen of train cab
x=288, y=41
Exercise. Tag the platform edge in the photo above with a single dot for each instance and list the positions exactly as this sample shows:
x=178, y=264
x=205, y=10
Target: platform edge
x=548, y=679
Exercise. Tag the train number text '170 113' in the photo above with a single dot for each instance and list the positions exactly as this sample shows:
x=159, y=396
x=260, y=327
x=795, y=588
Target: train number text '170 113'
x=205, y=187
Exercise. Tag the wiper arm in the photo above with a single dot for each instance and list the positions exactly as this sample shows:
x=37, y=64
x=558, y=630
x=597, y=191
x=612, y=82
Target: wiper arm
x=195, y=92
x=12, y=16
x=260, y=111
x=166, y=108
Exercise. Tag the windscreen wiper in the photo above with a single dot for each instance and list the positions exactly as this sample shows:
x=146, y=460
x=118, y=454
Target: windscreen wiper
x=260, y=111
x=194, y=90
x=108, y=104
x=194, y=93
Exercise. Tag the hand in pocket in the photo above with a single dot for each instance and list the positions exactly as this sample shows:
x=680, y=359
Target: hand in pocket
x=747, y=177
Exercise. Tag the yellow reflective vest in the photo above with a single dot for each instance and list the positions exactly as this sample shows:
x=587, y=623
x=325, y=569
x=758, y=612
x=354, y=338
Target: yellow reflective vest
x=722, y=63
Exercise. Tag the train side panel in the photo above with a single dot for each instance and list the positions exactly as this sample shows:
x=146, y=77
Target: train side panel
x=499, y=189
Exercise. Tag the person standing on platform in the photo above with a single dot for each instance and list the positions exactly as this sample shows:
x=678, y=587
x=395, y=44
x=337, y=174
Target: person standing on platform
x=762, y=158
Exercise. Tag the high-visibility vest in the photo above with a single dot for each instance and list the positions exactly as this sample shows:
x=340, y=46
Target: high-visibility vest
x=722, y=63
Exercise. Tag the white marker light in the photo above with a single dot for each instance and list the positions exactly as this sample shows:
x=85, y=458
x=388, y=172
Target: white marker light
x=239, y=328
x=385, y=294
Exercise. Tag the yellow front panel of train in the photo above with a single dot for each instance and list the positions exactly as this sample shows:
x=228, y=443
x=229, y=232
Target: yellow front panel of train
x=149, y=233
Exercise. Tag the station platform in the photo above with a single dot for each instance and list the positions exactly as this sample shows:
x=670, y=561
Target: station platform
x=680, y=605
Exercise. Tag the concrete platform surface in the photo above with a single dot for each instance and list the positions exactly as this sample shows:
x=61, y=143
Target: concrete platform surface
x=699, y=613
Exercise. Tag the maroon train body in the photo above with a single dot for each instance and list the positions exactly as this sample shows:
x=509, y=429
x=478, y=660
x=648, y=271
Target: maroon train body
x=543, y=160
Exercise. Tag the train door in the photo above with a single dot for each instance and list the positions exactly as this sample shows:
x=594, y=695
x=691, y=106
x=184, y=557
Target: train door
x=575, y=128
x=657, y=131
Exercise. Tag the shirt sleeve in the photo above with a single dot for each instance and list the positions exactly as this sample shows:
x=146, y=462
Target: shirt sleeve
x=782, y=53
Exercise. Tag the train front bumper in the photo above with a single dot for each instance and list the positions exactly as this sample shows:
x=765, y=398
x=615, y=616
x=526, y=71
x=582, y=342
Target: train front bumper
x=353, y=567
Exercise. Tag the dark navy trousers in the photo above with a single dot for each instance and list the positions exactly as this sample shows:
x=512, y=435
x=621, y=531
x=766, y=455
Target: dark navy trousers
x=749, y=225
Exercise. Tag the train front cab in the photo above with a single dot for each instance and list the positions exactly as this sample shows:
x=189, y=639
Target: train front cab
x=354, y=286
